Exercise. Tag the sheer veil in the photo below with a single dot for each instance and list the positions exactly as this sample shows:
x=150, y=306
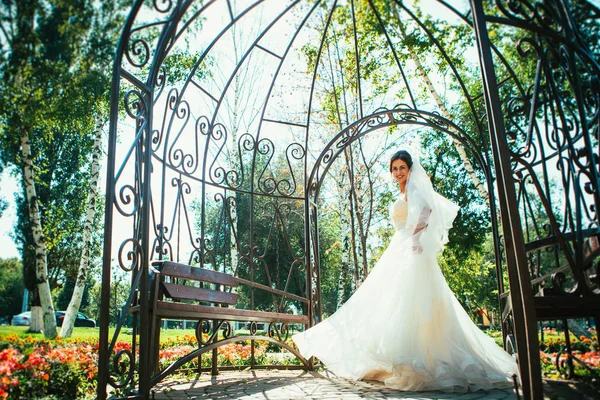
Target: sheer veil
x=429, y=210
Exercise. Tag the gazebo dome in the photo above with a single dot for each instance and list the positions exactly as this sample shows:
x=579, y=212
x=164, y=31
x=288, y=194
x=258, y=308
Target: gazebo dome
x=227, y=116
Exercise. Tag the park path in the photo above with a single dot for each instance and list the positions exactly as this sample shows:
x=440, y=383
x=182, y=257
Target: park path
x=298, y=384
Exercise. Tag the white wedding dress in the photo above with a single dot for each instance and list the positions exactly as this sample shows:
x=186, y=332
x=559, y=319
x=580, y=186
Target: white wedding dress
x=405, y=327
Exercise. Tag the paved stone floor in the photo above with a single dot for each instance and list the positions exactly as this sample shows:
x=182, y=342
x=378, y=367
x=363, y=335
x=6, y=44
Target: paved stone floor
x=280, y=385
x=297, y=384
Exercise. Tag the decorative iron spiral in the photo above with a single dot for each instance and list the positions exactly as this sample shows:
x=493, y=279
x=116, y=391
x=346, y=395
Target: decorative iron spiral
x=277, y=330
x=122, y=369
x=133, y=255
x=135, y=104
x=203, y=327
x=564, y=365
x=253, y=328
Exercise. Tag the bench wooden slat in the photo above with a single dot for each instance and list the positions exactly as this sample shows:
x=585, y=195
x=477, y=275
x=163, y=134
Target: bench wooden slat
x=195, y=312
x=182, y=292
x=177, y=270
x=268, y=289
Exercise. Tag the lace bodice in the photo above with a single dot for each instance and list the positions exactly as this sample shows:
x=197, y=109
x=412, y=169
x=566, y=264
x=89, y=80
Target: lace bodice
x=399, y=213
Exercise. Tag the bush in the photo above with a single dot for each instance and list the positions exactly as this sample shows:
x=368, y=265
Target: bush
x=33, y=368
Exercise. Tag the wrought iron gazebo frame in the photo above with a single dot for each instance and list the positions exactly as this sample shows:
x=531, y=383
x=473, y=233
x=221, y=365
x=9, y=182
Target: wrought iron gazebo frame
x=565, y=91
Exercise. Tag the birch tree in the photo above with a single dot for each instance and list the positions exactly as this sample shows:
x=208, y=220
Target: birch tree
x=48, y=98
x=414, y=56
x=18, y=44
x=101, y=36
x=88, y=229
x=41, y=266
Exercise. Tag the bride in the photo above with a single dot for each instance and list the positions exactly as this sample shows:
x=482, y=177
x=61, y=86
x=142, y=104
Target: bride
x=403, y=326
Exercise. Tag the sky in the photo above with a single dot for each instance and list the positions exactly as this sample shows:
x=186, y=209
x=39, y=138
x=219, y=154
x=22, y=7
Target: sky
x=8, y=188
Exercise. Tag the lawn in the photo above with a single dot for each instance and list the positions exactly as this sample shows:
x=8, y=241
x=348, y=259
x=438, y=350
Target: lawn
x=93, y=333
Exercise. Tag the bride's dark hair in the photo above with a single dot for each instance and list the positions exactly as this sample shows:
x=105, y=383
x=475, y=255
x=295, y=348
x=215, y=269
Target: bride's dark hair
x=401, y=155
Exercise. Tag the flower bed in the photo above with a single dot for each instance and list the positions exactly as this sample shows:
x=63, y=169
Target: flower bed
x=67, y=368
x=585, y=349
x=34, y=368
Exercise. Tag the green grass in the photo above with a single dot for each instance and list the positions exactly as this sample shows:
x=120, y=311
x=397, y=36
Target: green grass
x=124, y=335
x=81, y=333
x=87, y=333
x=93, y=333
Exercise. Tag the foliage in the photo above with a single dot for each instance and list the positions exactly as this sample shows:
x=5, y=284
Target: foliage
x=586, y=350
x=472, y=280
x=11, y=286
x=330, y=260
x=554, y=342
x=449, y=178
x=3, y=205
x=67, y=368
x=54, y=69
x=59, y=368
x=278, y=231
x=64, y=296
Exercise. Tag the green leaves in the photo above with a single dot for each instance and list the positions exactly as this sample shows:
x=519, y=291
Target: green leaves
x=54, y=81
x=11, y=286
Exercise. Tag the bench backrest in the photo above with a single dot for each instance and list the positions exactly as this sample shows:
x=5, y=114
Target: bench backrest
x=184, y=292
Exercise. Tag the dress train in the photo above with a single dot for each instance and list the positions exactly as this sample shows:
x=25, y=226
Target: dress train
x=404, y=327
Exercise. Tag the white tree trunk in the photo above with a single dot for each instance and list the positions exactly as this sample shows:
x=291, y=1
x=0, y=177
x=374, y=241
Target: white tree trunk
x=446, y=114
x=36, y=319
x=88, y=228
x=41, y=267
x=345, y=264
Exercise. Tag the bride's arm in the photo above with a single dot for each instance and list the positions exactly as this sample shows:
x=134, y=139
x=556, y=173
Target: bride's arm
x=423, y=220
x=421, y=224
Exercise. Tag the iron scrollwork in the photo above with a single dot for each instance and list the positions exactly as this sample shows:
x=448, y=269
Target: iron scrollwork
x=280, y=331
x=564, y=364
x=123, y=368
x=211, y=328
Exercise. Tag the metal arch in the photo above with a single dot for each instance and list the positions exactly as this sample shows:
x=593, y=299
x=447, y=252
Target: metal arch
x=134, y=199
x=380, y=119
x=401, y=115
x=551, y=122
x=104, y=356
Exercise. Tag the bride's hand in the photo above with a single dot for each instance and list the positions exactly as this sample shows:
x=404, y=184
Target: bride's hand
x=417, y=248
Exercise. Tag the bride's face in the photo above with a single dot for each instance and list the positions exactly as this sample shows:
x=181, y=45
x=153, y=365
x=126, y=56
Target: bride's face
x=400, y=172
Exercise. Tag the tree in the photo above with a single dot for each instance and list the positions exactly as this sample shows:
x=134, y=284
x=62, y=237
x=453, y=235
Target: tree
x=66, y=293
x=49, y=98
x=11, y=286
x=357, y=68
x=18, y=92
x=341, y=103
x=3, y=202
x=88, y=229
x=100, y=37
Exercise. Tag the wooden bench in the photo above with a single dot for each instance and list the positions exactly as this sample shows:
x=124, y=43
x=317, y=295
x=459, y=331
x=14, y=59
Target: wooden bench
x=180, y=291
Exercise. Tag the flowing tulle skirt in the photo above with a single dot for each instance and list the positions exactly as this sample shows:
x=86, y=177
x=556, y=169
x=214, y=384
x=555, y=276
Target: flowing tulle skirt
x=405, y=327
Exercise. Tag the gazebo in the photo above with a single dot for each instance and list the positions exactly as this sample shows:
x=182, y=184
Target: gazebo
x=228, y=115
